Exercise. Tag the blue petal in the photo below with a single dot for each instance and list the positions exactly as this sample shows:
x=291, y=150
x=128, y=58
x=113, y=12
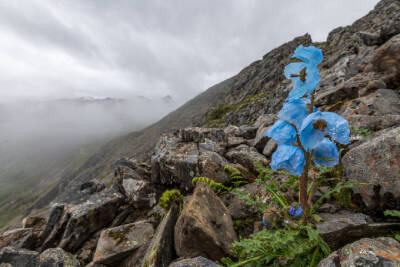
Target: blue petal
x=310, y=137
x=310, y=54
x=264, y=221
x=293, y=68
x=282, y=132
x=295, y=111
x=296, y=212
x=290, y=158
x=300, y=88
x=326, y=154
x=337, y=128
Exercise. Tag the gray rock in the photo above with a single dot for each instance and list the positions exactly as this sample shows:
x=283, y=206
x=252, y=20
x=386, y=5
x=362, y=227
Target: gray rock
x=161, y=250
x=89, y=217
x=341, y=228
x=204, y=227
x=211, y=146
x=141, y=193
x=92, y=186
x=19, y=257
x=175, y=163
x=194, y=262
x=57, y=257
x=19, y=238
x=270, y=148
x=246, y=156
x=382, y=251
x=380, y=103
x=370, y=38
x=375, y=162
x=117, y=243
x=373, y=123
x=197, y=135
x=212, y=165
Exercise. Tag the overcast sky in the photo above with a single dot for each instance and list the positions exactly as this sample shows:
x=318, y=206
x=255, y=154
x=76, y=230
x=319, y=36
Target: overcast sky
x=100, y=48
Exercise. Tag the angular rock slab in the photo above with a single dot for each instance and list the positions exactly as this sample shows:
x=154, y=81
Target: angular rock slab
x=382, y=251
x=19, y=257
x=204, y=227
x=376, y=162
x=19, y=238
x=246, y=156
x=88, y=217
x=161, y=250
x=175, y=163
x=57, y=257
x=117, y=243
x=141, y=193
x=194, y=262
x=212, y=165
x=339, y=229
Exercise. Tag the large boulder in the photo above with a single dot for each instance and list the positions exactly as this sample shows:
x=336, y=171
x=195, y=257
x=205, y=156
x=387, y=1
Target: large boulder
x=373, y=123
x=382, y=251
x=117, y=243
x=57, y=257
x=88, y=217
x=246, y=156
x=387, y=57
x=194, y=262
x=161, y=250
x=376, y=163
x=204, y=227
x=175, y=163
x=18, y=257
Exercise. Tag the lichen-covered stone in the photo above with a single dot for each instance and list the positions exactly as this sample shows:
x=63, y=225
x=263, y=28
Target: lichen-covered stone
x=377, y=252
x=204, y=227
x=194, y=262
x=376, y=162
x=212, y=165
x=175, y=163
x=141, y=193
x=117, y=243
x=89, y=217
x=161, y=250
x=57, y=257
x=19, y=238
x=246, y=156
x=18, y=257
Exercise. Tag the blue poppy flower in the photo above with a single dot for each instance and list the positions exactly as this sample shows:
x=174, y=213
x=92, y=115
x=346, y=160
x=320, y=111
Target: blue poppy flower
x=290, y=158
x=282, y=132
x=310, y=55
x=295, y=111
x=305, y=78
x=326, y=154
x=296, y=212
x=264, y=221
x=315, y=124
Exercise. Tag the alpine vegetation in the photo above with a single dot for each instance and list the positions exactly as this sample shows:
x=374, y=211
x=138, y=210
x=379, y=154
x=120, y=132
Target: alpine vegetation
x=304, y=135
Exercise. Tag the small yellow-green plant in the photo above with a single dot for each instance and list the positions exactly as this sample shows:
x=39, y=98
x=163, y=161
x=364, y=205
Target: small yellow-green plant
x=235, y=176
x=169, y=197
x=217, y=187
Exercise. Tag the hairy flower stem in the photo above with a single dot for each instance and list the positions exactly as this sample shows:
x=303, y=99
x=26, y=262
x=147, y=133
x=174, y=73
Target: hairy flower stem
x=304, y=177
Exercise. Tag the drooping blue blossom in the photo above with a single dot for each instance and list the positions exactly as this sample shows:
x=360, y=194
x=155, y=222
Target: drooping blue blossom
x=290, y=158
x=310, y=55
x=315, y=124
x=264, y=221
x=295, y=111
x=305, y=85
x=296, y=212
x=326, y=154
x=282, y=132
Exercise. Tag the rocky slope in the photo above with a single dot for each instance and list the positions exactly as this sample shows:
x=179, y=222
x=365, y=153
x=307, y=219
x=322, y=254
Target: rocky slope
x=122, y=226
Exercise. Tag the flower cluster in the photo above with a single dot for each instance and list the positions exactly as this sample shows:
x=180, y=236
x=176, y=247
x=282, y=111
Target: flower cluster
x=302, y=130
